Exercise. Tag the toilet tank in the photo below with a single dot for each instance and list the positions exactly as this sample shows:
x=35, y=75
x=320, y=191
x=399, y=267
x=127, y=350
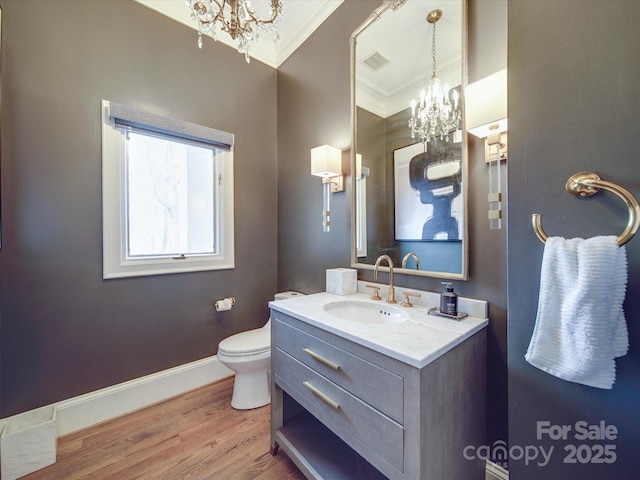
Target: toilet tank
x=285, y=295
x=282, y=296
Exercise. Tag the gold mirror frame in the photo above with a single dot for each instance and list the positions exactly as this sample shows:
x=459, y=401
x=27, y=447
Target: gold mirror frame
x=388, y=7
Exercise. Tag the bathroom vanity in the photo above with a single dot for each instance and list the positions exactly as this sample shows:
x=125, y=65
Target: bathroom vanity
x=362, y=389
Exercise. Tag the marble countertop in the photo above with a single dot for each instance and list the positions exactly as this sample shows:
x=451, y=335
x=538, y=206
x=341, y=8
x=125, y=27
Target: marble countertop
x=417, y=341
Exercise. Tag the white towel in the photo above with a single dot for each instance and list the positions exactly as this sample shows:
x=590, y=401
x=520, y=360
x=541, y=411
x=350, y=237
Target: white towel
x=580, y=327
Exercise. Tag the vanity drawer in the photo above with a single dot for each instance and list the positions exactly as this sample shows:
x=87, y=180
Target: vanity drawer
x=340, y=410
x=380, y=388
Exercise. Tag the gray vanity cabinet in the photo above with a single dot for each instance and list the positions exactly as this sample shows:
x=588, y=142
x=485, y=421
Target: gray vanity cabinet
x=341, y=410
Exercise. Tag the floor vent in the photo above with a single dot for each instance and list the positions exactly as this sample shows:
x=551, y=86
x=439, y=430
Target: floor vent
x=495, y=472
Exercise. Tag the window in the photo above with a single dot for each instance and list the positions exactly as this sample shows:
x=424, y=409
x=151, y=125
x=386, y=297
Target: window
x=167, y=196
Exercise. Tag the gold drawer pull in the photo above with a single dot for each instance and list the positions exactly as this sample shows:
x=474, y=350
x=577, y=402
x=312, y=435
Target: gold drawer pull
x=321, y=359
x=332, y=403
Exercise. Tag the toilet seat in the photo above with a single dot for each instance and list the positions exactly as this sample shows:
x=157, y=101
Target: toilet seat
x=252, y=342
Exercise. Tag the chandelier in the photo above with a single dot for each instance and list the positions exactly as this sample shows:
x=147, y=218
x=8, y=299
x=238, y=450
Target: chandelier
x=236, y=17
x=434, y=116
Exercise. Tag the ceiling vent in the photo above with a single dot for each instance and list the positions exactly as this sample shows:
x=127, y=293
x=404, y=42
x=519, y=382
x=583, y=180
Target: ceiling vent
x=375, y=61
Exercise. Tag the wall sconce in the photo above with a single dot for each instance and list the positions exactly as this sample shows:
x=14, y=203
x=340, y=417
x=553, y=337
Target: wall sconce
x=362, y=173
x=326, y=162
x=486, y=114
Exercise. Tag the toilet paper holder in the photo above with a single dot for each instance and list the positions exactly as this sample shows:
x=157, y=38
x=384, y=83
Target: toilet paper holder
x=224, y=304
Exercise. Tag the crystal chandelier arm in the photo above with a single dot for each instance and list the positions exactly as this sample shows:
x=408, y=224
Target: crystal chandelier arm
x=201, y=10
x=275, y=5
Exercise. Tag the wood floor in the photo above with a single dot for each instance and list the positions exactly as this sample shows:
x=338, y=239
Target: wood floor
x=194, y=436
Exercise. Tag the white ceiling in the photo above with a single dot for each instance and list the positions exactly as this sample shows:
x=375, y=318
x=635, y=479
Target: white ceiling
x=403, y=37
x=299, y=19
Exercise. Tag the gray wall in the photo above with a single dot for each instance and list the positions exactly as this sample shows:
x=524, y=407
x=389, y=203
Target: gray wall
x=313, y=109
x=64, y=330
x=574, y=105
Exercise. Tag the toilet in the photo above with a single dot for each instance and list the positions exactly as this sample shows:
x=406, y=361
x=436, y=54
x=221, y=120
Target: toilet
x=248, y=354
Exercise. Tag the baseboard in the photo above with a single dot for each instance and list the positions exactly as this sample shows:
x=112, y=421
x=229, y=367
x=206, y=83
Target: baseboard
x=495, y=472
x=95, y=407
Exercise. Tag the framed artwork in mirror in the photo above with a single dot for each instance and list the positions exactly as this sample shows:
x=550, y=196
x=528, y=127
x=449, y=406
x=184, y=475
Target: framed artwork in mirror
x=428, y=200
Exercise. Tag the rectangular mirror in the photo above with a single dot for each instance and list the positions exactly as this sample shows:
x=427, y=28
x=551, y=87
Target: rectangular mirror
x=410, y=169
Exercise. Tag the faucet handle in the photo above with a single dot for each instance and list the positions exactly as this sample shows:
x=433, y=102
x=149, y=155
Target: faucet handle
x=407, y=303
x=376, y=292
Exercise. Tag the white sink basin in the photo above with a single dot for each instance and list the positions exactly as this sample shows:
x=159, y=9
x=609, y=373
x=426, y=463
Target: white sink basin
x=366, y=312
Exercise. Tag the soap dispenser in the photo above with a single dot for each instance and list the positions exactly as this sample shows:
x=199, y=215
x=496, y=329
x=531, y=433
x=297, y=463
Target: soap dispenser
x=449, y=301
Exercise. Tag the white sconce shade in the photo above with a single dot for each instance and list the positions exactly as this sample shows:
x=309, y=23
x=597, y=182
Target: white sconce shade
x=486, y=104
x=326, y=162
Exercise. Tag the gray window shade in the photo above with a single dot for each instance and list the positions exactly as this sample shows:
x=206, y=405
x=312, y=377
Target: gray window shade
x=125, y=116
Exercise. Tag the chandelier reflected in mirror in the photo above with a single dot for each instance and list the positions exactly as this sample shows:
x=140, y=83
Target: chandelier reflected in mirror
x=238, y=18
x=437, y=113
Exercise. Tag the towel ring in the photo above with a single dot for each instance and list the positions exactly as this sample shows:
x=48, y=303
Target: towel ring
x=586, y=184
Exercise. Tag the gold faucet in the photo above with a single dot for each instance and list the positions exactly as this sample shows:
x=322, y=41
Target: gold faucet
x=392, y=292
x=407, y=257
